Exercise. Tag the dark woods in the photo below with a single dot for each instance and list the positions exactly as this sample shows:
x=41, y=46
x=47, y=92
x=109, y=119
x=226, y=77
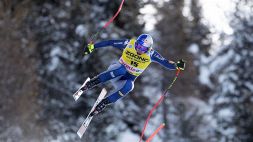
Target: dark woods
x=42, y=64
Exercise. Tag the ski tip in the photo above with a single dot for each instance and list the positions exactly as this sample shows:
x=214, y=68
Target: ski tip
x=75, y=98
x=79, y=134
x=76, y=95
x=104, y=91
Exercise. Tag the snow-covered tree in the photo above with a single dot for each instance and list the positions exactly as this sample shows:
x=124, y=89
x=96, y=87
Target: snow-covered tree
x=62, y=29
x=230, y=76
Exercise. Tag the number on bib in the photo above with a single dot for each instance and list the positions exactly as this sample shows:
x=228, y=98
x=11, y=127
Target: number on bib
x=134, y=63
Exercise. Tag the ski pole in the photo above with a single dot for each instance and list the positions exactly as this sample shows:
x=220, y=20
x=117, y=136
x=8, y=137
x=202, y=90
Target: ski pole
x=94, y=36
x=172, y=83
x=158, y=102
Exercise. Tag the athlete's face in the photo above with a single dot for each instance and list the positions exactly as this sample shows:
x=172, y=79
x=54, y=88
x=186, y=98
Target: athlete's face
x=141, y=49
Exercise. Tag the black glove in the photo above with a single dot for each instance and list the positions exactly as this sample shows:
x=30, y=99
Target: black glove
x=180, y=64
x=89, y=49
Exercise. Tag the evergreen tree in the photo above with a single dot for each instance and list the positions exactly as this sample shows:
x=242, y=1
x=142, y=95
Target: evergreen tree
x=177, y=34
x=62, y=29
x=232, y=79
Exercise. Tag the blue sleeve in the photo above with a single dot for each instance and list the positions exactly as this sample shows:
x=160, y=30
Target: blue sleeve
x=121, y=44
x=156, y=57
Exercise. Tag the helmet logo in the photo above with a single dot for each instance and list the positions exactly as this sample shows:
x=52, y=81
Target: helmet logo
x=146, y=43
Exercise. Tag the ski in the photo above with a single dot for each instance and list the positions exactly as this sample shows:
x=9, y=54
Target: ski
x=88, y=119
x=79, y=92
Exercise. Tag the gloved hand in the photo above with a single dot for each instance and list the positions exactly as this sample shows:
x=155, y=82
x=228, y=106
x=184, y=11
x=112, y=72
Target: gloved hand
x=180, y=64
x=89, y=49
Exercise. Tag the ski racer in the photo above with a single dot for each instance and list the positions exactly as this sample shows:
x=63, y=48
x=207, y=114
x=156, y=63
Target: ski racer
x=136, y=57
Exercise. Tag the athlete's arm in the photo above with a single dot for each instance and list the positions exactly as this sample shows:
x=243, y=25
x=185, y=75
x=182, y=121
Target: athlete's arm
x=121, y=44
x=156, y=57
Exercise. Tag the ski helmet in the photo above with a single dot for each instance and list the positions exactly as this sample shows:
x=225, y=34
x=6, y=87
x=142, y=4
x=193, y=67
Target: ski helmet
x=143, y=44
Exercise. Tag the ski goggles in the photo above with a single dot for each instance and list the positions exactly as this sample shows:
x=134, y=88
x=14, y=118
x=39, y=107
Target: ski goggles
x=141, y=49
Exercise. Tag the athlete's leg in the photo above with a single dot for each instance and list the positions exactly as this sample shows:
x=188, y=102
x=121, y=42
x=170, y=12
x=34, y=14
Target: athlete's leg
x=125, y=86
x=114, y=71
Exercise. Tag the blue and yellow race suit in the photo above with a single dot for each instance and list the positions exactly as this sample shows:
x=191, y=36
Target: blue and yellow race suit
x=129, y=67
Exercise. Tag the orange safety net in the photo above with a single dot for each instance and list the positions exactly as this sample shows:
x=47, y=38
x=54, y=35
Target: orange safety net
x=155, y=133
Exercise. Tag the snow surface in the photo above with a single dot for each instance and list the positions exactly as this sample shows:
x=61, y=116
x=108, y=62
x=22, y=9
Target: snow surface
x=187, y=10
x=215, y=12
x=193, y=48
x=149, y=12
x=249, y=85
x=210, y=66
x=81, y=30
x=226, y=113
x=12, y=131
x=54, y=58
x=204, y=75
x=128, y=136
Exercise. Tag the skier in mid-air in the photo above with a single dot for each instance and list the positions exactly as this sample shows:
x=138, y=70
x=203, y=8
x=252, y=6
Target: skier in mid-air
x=136, y=57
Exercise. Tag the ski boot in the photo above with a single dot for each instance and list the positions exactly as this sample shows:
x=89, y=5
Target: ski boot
x=100, y=107
x=90, y=84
